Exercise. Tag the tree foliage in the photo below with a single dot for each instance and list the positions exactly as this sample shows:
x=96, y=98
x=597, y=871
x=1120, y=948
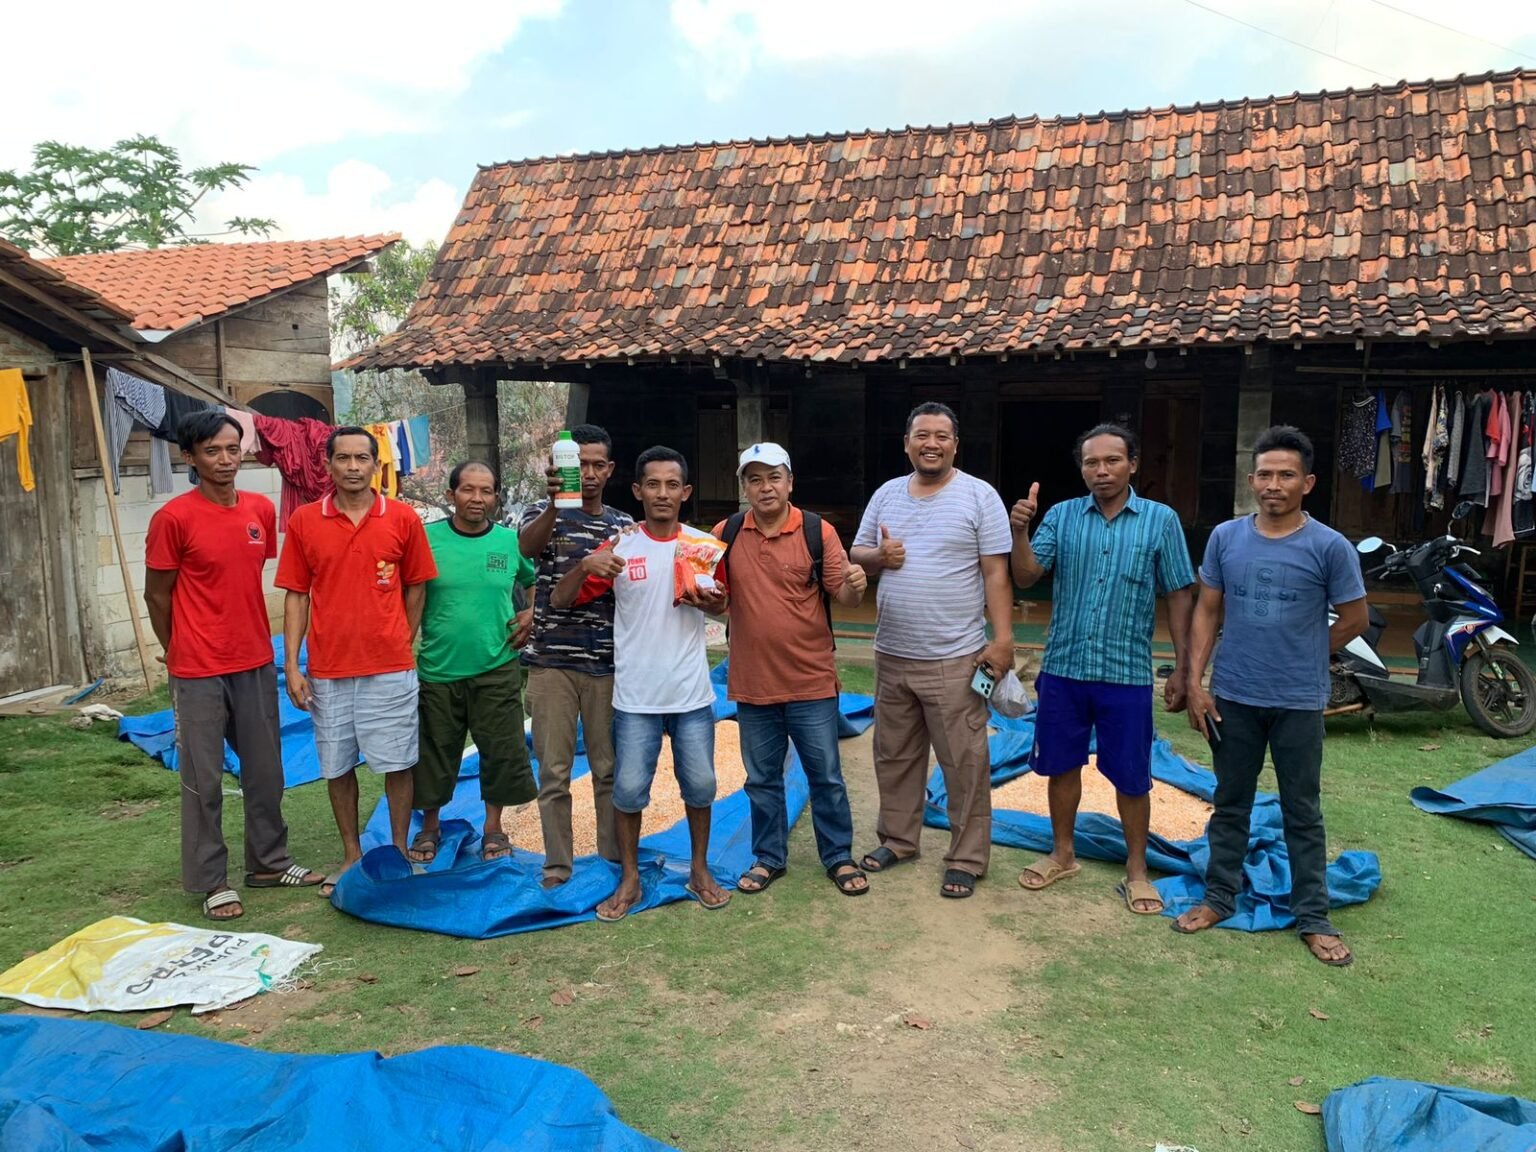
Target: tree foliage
x=366, y=306
x=135, y=194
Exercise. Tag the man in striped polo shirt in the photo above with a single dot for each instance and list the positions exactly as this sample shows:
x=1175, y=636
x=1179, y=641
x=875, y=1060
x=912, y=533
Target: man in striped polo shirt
x=1112, y=552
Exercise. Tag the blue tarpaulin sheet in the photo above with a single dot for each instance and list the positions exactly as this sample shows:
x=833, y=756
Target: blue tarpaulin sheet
x=1264, y=902
x=1503, y=794
x=1380, y=1115
x=458, y=894
x=76, y=1086
x=155, y=733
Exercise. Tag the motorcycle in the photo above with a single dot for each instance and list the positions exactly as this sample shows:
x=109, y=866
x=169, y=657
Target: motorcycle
x=1463, y=654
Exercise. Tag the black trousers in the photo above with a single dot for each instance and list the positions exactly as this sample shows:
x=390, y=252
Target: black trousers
x=1294, y=738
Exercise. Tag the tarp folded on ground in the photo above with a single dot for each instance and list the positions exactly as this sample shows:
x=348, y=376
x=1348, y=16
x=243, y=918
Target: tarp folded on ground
x=1264, y=902
x=458, y=894
x=1503, y=794
x=68, y=1086
x=155, y=733
x=1380, y=1115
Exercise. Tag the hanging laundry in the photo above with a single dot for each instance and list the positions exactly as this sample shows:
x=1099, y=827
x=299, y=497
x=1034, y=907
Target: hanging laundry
x=16, y=420
x=1402, y=442
x=385, y=479
x=419, y=428
x=132, y=402
x=1499, y=432
x=250, y=442
x=1382, y=480
x=1499, y=522
x=1474, y=461
x=297, y=449
x=402, y=444
x=1523, y=515
x=1456, y=428
x=1435, y=441
x=1357, y=440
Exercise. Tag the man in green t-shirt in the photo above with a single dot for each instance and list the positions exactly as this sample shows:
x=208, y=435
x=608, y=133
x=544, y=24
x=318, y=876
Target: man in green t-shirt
x=471, y=681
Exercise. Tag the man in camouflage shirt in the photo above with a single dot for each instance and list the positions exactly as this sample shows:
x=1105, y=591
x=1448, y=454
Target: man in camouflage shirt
x=570, y=655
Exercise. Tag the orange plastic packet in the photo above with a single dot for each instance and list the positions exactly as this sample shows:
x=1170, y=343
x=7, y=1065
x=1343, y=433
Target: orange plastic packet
x=694, y=560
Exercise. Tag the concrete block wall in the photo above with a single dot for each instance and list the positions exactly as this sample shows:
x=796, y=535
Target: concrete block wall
x=105, y=608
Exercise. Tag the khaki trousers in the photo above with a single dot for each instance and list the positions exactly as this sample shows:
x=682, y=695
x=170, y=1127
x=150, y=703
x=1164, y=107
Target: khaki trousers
x=919, y=703
x=556, y=699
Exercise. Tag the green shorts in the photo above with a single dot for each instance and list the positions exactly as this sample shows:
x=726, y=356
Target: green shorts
x=488, y=707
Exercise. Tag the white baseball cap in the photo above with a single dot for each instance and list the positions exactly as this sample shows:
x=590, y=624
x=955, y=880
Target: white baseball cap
x=765, y=453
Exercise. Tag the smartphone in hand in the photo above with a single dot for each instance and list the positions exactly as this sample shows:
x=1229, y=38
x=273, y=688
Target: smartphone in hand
x=982, y=683
x=1212, y=729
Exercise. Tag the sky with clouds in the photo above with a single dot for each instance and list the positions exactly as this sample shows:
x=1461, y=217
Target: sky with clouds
x=366, y=117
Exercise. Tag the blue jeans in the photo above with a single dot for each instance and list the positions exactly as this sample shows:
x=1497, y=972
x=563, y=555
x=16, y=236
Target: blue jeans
x=637, y=745
x=766, y=730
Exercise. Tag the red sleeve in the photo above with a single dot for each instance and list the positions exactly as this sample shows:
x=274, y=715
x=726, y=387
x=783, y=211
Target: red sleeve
x=594, y=586
x=269, y=526
x=163, y=544
x=416, y=563
x=293, y=571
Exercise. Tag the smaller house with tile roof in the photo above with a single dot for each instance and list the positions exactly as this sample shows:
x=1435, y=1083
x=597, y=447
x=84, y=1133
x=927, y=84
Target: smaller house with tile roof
x=1197, y=272
x=236, y=324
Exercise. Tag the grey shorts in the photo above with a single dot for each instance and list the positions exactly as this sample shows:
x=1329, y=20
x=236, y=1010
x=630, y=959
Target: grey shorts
x=374, y=716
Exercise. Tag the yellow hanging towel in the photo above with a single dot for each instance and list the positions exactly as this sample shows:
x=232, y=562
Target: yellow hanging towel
x=385, y=480
x=16, y=420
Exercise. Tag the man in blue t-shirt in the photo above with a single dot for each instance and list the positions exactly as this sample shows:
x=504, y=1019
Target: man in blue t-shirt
x=1267, y=583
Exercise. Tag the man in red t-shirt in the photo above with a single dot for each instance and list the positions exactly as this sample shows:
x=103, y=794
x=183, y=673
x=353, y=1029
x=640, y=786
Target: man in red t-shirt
x=355, y=565
x=204, y=556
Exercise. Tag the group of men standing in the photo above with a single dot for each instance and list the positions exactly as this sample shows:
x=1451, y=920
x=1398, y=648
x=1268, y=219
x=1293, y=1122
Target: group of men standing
x=606, y=645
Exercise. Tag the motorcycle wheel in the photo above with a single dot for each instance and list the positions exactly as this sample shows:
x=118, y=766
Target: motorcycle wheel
x=1499, y=692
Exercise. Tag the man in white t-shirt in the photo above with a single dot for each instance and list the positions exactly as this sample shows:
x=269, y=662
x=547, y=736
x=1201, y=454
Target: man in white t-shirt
x=661, y=674
x=940, y=540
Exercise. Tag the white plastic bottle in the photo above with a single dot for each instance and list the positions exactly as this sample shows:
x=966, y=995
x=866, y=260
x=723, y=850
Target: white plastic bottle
x=566, y=456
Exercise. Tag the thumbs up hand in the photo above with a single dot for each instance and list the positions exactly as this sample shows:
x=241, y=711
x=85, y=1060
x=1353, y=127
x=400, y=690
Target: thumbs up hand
x=1024, y=510
x=893, y=554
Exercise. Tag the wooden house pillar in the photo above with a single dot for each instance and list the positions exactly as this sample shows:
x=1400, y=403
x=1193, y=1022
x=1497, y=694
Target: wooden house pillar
x=482, y=422
x=1255, y=391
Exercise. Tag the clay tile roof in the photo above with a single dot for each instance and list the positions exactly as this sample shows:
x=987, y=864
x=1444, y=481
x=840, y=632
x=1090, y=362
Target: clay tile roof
x=168, y=289
x=17, y=263
x=1405, y=211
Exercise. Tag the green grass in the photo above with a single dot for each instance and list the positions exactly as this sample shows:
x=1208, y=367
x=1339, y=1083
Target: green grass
x=1060, y=1021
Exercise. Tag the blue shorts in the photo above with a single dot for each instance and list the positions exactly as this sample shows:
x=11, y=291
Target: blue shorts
x=1118, y=715
x=637, y=746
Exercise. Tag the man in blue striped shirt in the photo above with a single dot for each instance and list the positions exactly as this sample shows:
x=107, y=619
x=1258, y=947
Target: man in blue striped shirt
x=1112, y=552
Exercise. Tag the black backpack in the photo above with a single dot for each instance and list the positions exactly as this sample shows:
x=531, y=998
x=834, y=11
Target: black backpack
x=812, y=529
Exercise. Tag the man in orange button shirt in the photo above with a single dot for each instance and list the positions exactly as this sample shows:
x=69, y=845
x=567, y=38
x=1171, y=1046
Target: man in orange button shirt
x=783, y=671
x=355, y=564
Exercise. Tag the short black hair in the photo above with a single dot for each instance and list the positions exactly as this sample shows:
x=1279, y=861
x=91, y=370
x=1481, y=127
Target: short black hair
x=1285, y=438
x=1130, y=439
x=350, y=430
x=205, y=424
x=464, y=466
x=660, y=455
x=592, y=434
x=933, y=408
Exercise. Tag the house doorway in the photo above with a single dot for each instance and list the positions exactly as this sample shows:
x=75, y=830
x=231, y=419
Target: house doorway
x=1035, y=445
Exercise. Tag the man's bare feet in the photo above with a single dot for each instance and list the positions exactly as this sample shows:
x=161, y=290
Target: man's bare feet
x=1329, y=949
x=624, y=897
x=1197, y=919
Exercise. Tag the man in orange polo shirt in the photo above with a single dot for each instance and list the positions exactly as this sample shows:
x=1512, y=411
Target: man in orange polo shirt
x=355, y=565
x=783, y=671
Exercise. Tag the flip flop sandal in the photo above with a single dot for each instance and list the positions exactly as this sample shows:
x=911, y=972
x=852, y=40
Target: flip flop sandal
x=598, y=912
x=293, y=877
x=725, y=898
x=760, y=875
x=1133, y=890
x=1048, y=871
x=494, y=842
x=222, y=899
x=425, y=842
x=1183, y=931
x=1343, y=961
x=884, y=859
x=954, y=878
x=844, y=880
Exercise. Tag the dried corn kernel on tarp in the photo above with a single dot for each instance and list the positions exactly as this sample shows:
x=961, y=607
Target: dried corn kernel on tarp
x=459, y=895
x=1263, y=903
